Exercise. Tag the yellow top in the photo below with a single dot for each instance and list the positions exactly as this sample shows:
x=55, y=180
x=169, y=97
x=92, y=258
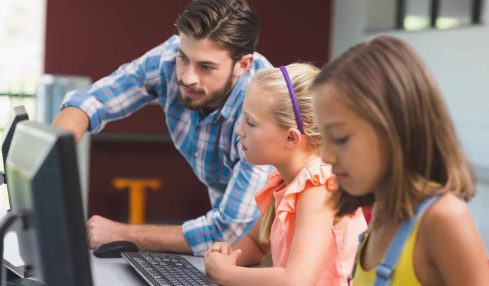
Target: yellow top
x=403, y=273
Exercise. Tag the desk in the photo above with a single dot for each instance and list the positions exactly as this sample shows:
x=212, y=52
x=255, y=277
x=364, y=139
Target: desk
x=105, y=271
x=115, y=271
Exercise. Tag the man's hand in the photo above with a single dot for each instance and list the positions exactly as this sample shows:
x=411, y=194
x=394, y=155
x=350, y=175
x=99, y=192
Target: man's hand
x=72, y=120
x=102, y=230
x=162, y=238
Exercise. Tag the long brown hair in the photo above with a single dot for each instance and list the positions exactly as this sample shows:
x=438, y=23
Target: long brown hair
x=385, y=82
x=233, y=24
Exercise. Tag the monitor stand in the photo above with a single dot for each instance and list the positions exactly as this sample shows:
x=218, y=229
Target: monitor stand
x=15, y=280
x=15, y=271
x=15, y=275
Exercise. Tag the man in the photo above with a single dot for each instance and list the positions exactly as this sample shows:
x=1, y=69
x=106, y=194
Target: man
x=199, y=78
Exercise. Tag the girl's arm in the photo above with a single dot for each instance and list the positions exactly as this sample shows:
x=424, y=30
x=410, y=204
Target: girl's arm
x=314, y=221
x=252, y=251
x=453, y=245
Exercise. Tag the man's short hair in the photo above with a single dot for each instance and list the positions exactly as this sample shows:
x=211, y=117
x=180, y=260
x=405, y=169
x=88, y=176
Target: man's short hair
x=233, y=24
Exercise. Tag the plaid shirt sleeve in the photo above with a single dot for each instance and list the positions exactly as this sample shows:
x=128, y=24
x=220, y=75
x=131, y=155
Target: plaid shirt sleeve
x=234, y=215
x=126, y=90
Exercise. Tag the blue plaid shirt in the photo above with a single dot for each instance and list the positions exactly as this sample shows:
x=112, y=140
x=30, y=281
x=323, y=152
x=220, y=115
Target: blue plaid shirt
x=209, y=144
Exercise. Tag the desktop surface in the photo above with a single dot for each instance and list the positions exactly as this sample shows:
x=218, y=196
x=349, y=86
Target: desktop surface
x=105, y=271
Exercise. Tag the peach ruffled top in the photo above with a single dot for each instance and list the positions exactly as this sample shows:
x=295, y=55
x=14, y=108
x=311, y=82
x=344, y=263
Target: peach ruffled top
x=342, y=250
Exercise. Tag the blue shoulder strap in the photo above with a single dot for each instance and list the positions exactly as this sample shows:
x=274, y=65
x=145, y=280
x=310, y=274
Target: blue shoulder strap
x=383, y=271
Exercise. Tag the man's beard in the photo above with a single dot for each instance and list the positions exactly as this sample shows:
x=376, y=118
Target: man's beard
x=212, y=101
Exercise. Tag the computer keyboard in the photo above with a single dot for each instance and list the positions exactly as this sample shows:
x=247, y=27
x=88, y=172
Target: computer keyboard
x=165, y=269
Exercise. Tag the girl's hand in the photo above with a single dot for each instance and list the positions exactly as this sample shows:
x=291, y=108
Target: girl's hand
x=222, y=247
x=218, y=263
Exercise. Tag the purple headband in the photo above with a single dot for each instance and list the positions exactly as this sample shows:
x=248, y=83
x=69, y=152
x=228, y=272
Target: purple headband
x=293, y=99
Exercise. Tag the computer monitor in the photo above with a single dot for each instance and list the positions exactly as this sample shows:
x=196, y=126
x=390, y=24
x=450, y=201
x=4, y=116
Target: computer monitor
x=11, y=259
x=44, y=188
x=19, y=114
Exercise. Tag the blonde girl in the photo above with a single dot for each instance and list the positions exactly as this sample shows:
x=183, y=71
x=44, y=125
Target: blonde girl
x=309, y=245
x=389, y=138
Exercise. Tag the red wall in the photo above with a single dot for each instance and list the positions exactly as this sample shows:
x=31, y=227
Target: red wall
x=94, y=37
x=293, y=30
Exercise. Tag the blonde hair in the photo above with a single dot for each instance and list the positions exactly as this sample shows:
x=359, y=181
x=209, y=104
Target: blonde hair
x=272, y=80
x=385, y=82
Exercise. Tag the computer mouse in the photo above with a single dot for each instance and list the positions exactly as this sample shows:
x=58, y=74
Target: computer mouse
x=114, y=249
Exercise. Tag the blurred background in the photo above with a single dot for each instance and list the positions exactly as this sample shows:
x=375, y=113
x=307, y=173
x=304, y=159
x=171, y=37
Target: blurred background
x=48, y=47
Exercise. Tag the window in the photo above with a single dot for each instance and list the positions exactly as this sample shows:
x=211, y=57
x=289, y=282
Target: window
x=21, y=53
x=416, y=15
x=21, y=42
x=381, y=15
x=453, y=13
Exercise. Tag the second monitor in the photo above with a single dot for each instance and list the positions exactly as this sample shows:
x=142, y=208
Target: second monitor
x=44, y=189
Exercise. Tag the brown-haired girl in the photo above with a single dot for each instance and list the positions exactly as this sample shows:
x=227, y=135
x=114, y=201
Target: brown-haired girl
x=387, y=134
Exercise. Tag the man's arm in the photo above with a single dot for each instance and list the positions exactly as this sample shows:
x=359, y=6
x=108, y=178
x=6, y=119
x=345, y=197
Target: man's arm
x=73, y=120
x=147, y=237
x=120, y=94
x=235, y=214
x=228, y=221
x=159, y=238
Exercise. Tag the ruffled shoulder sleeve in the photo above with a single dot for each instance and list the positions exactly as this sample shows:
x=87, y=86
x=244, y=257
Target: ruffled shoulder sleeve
x=264, y=197
x=315, y=174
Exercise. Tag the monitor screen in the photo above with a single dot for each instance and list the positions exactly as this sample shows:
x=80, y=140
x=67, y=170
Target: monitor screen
x=44, y=188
